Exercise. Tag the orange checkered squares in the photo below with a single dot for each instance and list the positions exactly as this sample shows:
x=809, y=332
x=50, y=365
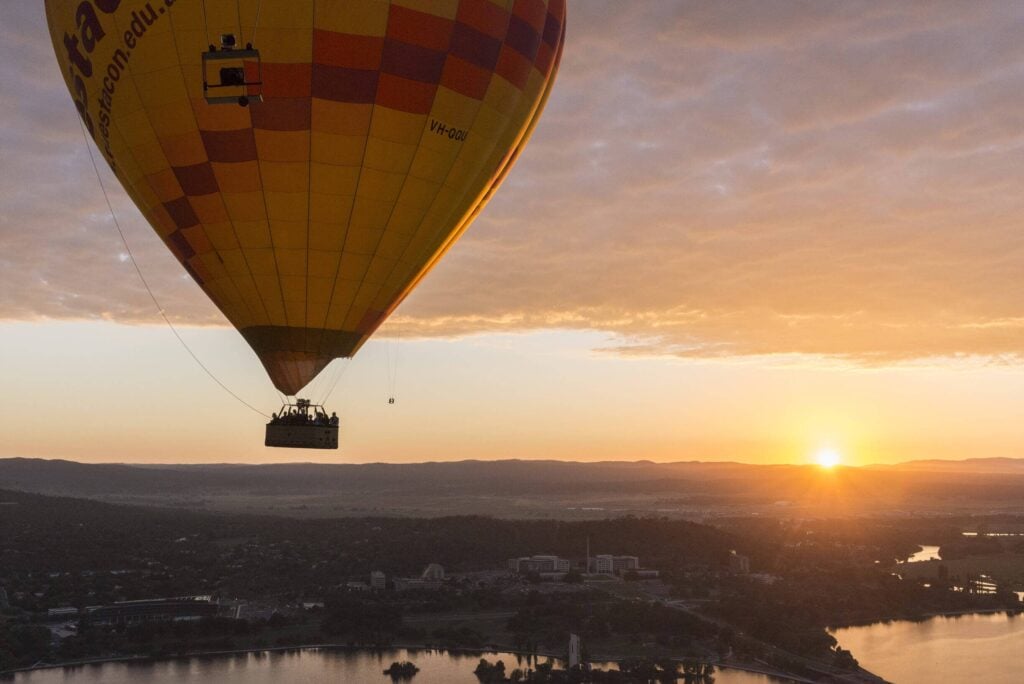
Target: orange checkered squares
x=308, y=216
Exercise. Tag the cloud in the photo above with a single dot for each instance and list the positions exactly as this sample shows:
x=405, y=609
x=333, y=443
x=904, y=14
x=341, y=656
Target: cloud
x=709, y=179
x=60, y=253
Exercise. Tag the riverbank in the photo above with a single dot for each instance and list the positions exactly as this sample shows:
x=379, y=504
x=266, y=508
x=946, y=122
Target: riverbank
x=926, y=616
x=764, y=670
x=245, y=651
x=955, y=648
x=284, y=649
x=752, y=668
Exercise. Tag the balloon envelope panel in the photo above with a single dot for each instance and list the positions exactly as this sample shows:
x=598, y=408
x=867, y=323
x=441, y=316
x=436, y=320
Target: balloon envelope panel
x=308, y=216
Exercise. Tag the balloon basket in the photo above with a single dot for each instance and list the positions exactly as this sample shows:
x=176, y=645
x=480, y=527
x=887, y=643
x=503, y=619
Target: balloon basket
x=302, y=425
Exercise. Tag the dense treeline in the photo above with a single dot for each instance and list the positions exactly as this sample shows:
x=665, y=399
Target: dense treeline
x=61, y=547
x=55, y=541
x=22, y=644
x=548, y=618
x=630, y=671
x=806, y=575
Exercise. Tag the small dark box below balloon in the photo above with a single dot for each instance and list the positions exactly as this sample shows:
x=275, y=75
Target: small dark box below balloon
x=232, y=76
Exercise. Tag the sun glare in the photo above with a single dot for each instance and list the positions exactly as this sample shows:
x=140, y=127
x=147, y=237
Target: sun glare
x=827, y=458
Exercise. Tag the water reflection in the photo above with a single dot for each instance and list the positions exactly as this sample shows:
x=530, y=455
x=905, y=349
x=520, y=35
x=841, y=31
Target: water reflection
x=926, y=553
x=966, y=648
x=312, y=666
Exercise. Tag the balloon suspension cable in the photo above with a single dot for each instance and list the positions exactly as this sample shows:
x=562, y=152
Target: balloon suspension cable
x=318, y=385
x=256, y=24
x=156, y=302
x=337, y=378
x=206, y=24
x=238, y=16
x=392, y=359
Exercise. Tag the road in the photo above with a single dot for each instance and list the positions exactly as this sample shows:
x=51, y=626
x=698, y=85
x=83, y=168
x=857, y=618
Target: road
x=454, y=617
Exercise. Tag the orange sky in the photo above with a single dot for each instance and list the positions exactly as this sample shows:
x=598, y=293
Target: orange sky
x=741, y=230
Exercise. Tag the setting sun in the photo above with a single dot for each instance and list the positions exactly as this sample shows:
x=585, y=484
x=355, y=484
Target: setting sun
x=827, y=458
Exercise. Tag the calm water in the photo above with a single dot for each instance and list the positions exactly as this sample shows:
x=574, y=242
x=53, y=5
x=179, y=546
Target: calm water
x=926, y=553
x=310, y=666
x=968, y=648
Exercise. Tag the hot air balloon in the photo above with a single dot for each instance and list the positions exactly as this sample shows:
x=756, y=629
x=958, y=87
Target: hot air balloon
x=308, y=162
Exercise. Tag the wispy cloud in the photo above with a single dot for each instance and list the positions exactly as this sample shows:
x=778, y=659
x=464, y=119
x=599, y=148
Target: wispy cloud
x=710, y=179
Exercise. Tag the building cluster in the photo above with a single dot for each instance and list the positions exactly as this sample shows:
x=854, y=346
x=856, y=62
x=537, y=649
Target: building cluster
x=555, y=567
x=539, y=564
x=146, y=610
x=607, y=564
x=431, y=578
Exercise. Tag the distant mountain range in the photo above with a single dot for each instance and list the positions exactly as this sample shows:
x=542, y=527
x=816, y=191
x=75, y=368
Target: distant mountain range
x=514, y=488
x=968, y=465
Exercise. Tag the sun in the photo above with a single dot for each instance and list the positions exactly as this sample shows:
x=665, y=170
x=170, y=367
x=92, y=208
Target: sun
x=828, y=458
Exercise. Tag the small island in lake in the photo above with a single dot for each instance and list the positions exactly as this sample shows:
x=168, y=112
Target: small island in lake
x=402, y=670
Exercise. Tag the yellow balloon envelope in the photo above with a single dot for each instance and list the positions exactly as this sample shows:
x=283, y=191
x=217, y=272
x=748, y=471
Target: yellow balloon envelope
x=374, y=133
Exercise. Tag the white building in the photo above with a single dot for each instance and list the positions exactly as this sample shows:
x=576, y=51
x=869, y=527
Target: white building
x=378, y=580
x=539, y=563
x=738, y=563
x=607, y=564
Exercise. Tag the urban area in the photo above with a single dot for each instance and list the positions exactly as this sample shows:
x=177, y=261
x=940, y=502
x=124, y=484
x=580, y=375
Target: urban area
x=746, y=593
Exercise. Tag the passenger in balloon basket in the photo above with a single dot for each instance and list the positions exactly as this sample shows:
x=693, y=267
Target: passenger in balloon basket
x=293, y=417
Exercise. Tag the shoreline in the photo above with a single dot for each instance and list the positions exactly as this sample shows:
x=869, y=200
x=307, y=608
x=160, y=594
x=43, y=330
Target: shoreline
x=926, y=616
x=9, y=674
x=266, y=649
x=599, y=658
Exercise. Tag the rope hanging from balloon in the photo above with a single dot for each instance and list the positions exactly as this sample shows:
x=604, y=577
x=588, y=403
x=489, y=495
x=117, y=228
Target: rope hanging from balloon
x=206, y=24
x=256, y=24
x=238, y=19
x=152, y=296
x=392, y=359
x=343, y=366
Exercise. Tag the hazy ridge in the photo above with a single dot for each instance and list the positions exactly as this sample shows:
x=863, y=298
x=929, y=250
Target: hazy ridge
x=513, y=488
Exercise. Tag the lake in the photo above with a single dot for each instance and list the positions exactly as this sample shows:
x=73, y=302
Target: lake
x=926, y=553
x=309, y=666
x=965, y=648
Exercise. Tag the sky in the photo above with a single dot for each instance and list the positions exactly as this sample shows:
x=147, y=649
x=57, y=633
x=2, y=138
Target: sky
x=741, y=231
